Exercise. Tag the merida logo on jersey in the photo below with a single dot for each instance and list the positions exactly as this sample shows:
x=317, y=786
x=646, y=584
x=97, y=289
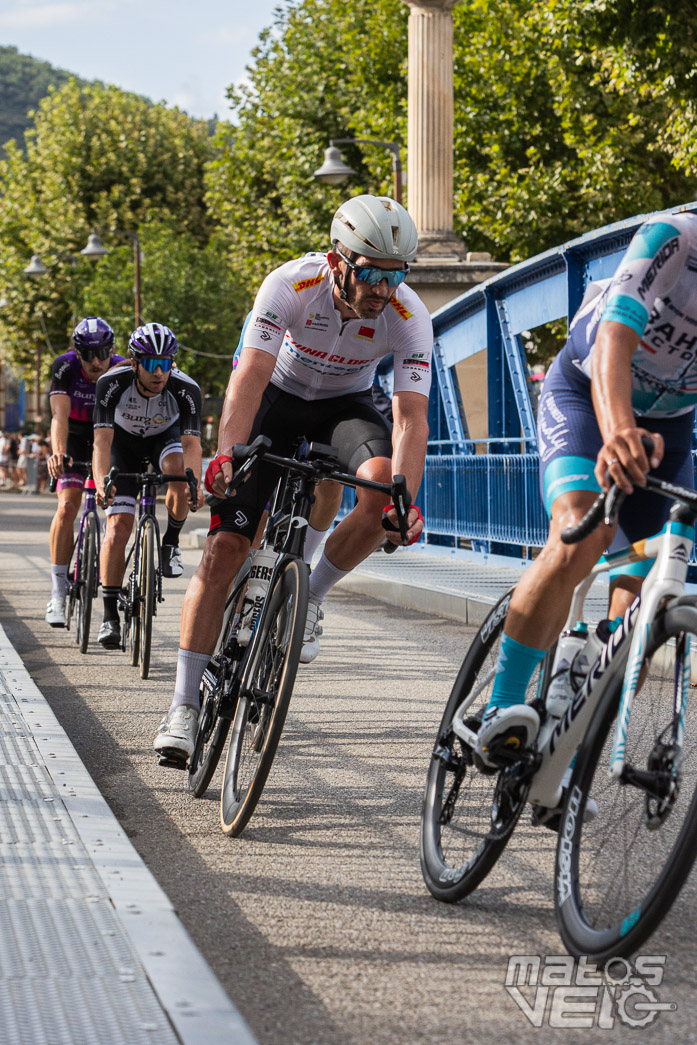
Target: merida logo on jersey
x=657, y=264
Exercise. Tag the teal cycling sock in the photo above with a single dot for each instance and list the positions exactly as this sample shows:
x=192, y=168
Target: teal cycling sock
x=514, y=669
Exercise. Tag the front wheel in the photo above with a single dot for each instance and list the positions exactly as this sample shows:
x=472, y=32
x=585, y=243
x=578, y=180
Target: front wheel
x=468, y=816
x=262, y=709
x=218, y=693
x=88, y=580
x=618, y=874
x=147, y=595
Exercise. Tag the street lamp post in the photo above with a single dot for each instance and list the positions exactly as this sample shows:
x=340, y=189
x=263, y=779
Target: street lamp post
x=96, y=250
x=334, y=171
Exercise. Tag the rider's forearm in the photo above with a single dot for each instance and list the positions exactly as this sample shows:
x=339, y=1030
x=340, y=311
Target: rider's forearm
x=409, y=438
x=191, y=445
x=611, y=377
x=103, y=438
x=59, y=435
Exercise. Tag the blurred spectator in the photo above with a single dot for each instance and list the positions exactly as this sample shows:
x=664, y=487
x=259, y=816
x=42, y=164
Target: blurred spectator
x=42, y=469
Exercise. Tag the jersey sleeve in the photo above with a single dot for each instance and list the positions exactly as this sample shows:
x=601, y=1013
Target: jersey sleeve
x=188, y=396
x=652, y=265
x=106, y=393
x=276, y=306
x=61, y=376
x=412, y=344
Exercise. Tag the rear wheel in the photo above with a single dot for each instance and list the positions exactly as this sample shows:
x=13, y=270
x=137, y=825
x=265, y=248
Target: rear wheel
x=218, y=694
x=618, y=874
x=468, y=816
x=261, y=712
x=87, y=589
x=147, y=595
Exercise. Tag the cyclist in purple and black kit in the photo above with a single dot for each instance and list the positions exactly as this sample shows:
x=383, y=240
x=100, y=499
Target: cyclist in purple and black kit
x=75, y=374
x=628, y=370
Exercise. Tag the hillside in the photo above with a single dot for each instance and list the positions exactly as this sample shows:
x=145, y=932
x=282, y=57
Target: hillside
x=23, y=82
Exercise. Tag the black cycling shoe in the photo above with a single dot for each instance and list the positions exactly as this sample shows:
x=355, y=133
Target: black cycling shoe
x=172, y=565
x=110, y=635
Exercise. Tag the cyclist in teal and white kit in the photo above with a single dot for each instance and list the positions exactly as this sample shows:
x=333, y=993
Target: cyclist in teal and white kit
x=628, y=369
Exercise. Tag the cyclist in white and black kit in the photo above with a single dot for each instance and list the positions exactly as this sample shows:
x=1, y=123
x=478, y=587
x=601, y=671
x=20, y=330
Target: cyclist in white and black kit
x=145, y=409
x=319, y=326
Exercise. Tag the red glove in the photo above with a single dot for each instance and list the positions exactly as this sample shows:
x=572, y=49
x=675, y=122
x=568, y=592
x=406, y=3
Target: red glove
x=387, y=524
x=213, y=469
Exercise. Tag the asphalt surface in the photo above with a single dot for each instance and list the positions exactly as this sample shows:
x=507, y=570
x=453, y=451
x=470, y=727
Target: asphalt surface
x=317, y=921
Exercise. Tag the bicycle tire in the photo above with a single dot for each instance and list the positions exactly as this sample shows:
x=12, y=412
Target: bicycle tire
x=71, y=595
x=88, y=583
x=132, y=613
x=467, y=816
x=273, y=660
x=146, y=606
x=224, y=664
x=617, y=876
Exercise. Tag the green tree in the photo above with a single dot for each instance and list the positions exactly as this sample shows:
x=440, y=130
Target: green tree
x=315, y=76
x=23, y=83
x=98, y=157
x=569, y=114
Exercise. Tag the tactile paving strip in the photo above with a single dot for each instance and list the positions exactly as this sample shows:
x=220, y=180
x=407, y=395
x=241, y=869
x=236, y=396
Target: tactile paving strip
x=79, y=912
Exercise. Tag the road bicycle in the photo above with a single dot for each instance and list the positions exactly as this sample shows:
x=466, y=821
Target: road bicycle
x=83, y=570
x=142, y=591
x=249, y=681
x=618, y=873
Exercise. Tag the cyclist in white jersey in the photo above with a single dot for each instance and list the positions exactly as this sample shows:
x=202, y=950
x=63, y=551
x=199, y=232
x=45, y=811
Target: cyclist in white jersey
x=319, y=327
x=628, y=369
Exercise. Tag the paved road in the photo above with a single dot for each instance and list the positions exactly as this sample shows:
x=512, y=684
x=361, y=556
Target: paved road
x=317, y=921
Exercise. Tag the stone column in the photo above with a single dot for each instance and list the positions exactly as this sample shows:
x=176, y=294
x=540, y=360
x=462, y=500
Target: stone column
x=430, y=135
x=443, y=268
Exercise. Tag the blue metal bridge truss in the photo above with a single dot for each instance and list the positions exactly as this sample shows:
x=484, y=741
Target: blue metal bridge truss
x=483, y=494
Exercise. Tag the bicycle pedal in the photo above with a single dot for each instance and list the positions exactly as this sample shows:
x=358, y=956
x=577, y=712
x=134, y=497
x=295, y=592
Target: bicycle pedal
x=172, y=763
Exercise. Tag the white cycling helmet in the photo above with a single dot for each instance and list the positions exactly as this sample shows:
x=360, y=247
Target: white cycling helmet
x=375, y=227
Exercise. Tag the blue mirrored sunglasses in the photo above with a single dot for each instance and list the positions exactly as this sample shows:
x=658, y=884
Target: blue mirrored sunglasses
x=151, y=363
x=372, y=275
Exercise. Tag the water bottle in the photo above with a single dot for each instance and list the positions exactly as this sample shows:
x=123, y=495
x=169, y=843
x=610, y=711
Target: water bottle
x=561, y=687
x=597, y=639
x=259, y=575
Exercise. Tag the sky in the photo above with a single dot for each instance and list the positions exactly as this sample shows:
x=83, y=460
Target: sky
x=183, y=52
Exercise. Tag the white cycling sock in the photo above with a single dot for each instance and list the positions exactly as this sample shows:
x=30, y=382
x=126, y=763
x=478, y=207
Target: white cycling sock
x=190, y=668
x=324, y=576
x=313, y=539
x=59, y=581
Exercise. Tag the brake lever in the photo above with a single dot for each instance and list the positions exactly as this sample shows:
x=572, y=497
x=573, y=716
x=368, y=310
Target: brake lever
x=193, y=488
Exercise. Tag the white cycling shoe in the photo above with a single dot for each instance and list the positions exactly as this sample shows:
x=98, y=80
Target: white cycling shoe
x=313, y=630
x=177, y=734
x=55, y=613
x=504, y=733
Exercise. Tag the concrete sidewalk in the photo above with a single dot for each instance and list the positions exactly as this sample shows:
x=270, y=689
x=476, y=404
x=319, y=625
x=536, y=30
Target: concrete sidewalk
x=91, y=948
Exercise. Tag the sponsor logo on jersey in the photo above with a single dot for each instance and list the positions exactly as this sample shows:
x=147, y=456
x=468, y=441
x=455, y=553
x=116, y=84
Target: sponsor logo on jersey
x=304, y=284
x=270, y=315
x=317, y=321
x=265, y=336
x=366, y=332
x=399, y=308
x=415, y=360
x=657, y=264
x=415, y=377
x=259, y=322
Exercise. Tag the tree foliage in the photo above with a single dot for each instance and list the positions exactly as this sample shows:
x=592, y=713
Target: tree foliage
x=23, y=83
x=99, y=158
x=569, y=114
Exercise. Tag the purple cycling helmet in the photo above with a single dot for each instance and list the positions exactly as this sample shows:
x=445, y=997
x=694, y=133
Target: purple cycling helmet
x=152, y=339
x=92, y=332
